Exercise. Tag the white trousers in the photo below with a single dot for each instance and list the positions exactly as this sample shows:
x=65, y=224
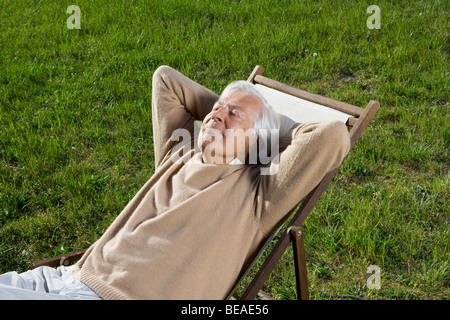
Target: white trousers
x=44, y=283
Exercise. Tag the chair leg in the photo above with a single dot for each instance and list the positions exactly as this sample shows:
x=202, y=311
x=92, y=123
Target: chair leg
x=300, y=263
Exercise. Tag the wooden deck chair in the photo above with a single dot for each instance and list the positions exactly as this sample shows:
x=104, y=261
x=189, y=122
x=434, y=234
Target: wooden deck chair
x=299, y=106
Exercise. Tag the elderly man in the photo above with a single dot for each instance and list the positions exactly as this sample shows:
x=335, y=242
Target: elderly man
x=197, y=223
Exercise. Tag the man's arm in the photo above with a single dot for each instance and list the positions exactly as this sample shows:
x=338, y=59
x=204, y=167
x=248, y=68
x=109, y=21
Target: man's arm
x=316, y=149
x=177, y=102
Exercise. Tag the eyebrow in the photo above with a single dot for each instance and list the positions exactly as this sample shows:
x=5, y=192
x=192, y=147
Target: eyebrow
x=233, y=106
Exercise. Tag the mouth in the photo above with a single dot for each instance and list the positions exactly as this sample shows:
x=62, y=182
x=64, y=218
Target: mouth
x=213, y=127
x=210, y=134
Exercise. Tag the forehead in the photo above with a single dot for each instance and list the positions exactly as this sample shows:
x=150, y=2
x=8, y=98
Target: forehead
x=244, y=101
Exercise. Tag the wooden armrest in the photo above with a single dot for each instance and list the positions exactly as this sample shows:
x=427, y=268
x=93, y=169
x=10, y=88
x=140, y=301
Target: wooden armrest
x=62, y=260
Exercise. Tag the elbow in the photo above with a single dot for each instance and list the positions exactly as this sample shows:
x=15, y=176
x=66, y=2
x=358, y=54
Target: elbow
x=161, y=74
x=338, y=139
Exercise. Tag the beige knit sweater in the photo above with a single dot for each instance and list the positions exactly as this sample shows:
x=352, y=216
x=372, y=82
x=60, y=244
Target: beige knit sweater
x=194, y=227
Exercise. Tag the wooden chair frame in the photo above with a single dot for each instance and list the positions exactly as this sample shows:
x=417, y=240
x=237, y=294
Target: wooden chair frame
x=357, y=122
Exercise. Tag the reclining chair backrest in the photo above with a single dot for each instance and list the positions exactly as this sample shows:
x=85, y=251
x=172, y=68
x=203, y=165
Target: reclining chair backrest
x=297, y=109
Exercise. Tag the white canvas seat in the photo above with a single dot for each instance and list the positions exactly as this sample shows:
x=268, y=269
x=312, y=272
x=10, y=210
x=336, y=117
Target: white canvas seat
x=297, y=109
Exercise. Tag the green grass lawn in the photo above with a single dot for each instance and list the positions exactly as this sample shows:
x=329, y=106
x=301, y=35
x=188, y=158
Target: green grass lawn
x=76, y=134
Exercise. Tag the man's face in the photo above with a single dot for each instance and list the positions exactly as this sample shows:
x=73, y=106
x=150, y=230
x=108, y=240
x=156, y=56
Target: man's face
x=229, y=121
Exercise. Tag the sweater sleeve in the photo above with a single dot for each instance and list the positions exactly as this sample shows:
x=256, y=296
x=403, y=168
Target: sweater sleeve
x=316, y=148
x=177, y=102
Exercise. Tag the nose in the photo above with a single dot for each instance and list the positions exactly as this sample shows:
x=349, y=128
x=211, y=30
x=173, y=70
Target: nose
x=218, y=115
x=217, y=118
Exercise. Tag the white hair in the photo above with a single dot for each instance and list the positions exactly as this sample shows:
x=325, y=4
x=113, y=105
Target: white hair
x=266, y=121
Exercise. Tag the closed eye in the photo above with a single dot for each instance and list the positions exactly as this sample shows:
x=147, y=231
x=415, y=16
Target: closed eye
x=217, y=105
x=236, y=112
